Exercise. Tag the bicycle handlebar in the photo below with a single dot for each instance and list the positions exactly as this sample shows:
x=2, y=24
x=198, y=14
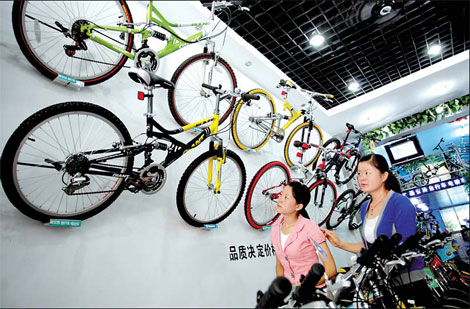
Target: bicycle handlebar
x=367, y=256
x=274, y=296
x=304, y=292
x=236, y=93
x=313, y=94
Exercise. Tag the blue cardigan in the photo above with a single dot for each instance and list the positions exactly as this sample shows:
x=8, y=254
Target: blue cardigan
x=398, y=216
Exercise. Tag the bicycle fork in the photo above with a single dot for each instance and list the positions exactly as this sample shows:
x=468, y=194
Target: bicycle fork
x=221, y=158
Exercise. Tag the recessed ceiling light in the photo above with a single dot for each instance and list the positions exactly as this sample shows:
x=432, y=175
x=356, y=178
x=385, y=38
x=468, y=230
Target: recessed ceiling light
x=248, y=63
x=434, y=49
x=423, y=207
x=317, y=39
x=353, y=86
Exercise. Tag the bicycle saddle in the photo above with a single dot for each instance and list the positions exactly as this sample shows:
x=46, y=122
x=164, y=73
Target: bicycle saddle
x=150, y=79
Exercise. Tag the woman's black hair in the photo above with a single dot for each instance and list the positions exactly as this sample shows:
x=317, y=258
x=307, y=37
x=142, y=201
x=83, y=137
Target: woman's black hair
x=381, y=164
x=301, y=195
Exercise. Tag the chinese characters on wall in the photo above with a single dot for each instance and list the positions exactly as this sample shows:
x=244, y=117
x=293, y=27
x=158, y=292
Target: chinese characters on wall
x=239, y=253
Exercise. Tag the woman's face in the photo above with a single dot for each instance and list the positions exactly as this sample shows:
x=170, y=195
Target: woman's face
x=370, y=178
x=286, y=203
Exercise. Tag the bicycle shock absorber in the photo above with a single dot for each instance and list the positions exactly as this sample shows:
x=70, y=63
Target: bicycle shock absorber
x=159, y=35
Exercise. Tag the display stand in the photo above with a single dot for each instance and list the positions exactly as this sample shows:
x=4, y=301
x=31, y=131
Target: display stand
x=208, y=227
x=68, y=81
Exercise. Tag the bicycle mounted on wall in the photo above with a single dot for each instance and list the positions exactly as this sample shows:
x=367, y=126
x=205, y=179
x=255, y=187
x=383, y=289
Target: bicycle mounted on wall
x=90, y=41
x=72, y=160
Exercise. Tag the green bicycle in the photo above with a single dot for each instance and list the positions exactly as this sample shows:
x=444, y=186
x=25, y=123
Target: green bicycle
x=90, y=41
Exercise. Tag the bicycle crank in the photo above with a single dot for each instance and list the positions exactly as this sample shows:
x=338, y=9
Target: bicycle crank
x=152, y=178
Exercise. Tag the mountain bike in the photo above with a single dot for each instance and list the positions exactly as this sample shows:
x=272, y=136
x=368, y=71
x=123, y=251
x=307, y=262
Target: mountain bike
x=255, y=123
x=268, y=182
x=346, y=160
x=348, y=205
x=72, y=160
x=90, y=41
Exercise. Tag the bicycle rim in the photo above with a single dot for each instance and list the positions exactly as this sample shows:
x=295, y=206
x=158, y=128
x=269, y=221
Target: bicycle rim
x=249, y=130
x=261, y=199
x=302, y=133
x=340, y=213
x=189, y=101
x=322, y=201
x=60, y=138
x=46, y=45
x=199, y=202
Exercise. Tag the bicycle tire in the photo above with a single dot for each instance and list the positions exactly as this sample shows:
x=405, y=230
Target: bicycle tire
x=290, y=151
x=261, y=195
x=44, y=47
x=194, y=107
x=343, y=204
x=332, y=143
x=419, y=179
x=319, y=209
x=244, y=117
x=348, y=167
x=191, y=191
x=35, y=188
x=355, y=220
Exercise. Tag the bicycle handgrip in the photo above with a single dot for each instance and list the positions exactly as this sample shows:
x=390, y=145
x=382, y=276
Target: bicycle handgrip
x=209, y=86
x=248, y=96
x=274, y=296
x=304, y=292
x=368, y=256
x=410, y=243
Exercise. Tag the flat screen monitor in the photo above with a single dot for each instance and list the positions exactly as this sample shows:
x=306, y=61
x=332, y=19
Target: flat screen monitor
x=404, y=150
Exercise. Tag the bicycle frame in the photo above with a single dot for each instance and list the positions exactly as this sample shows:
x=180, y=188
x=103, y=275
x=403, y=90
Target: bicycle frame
x=153, y=16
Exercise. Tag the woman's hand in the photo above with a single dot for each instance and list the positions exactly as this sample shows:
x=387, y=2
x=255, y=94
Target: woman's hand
x=332, y=237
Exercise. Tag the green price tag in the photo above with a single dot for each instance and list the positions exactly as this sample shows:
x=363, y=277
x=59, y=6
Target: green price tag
x=65, y=222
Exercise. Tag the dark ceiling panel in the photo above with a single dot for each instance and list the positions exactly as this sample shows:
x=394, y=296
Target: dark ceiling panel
x=360, y=44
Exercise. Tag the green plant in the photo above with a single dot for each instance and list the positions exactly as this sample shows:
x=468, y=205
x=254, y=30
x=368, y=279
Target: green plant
x=429, y=115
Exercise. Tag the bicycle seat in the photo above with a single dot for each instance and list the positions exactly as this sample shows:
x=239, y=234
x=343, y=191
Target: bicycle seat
x=150, y=79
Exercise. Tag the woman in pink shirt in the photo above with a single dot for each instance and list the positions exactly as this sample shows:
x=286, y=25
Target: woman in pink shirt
x=295, y=253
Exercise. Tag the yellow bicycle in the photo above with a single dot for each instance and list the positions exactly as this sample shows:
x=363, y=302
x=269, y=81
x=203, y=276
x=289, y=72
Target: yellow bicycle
x=255, y=122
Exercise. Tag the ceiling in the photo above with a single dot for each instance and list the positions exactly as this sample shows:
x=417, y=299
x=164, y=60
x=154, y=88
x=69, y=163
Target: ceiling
x=360, y=44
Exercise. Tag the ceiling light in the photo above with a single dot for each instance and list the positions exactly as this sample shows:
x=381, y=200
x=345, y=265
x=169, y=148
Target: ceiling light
x=317, y=40
x=434, y=49
x=353, y=86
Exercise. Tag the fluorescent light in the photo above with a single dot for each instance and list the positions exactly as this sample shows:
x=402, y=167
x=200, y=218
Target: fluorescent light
x=317, y=39
x=423, y=206
x=414, y=201
x=353, y=86
x=434, y=49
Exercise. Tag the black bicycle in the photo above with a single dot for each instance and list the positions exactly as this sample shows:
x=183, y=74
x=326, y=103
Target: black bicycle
x=348, y=205
x=72, y=160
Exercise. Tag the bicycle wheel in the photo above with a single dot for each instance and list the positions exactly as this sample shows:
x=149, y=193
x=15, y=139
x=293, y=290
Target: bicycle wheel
x=419, y=179
x=355, y=220
x=197, y=203
x=343, y=204
x=322, y=201
x=249, y=129
x=37, y=24
x=306, y=133
x=52, y=149
x=348, y=167
x=262, y=193
x=189, y=101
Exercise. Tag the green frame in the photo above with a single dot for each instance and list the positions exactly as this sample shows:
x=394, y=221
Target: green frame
x=153, y=15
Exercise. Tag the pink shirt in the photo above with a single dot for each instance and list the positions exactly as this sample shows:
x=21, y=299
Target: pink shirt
x=299, y=254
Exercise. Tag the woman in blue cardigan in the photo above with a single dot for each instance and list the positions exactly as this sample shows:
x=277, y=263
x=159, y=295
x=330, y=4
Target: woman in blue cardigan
x=387, y=212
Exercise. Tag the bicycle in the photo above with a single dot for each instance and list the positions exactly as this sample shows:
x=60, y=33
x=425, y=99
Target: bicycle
x=90, y=41
x=346, y=160
x=268, y=182
x=72, y=160
x=255, y=123
x=348, y=205
x=454, y=165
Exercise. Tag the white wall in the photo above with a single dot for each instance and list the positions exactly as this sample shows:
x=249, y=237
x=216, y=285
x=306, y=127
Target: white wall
x=138, y=252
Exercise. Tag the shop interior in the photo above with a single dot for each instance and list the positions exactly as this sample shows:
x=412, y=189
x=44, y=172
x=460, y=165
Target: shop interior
x=140, y=252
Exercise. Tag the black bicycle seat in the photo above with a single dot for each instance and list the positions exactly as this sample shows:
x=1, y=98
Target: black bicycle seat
x=150, y=79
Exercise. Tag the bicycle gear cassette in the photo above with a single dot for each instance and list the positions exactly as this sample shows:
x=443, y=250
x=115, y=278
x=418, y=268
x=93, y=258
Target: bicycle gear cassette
x=152, y=178
x=147, y=59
